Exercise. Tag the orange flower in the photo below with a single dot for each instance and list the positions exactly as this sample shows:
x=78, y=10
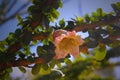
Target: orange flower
x=66, y=42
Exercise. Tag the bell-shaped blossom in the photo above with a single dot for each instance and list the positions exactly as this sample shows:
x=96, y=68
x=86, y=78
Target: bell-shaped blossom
x=66, y=42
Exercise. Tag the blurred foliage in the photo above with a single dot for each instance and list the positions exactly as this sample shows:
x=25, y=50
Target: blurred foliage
x=82, y=69
x=103, y=38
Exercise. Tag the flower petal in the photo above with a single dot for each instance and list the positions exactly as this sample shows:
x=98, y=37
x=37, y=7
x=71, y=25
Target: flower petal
x=66, y=42
x=60, y=54
x=75, y=52
x=58, y=39
x=80, y=39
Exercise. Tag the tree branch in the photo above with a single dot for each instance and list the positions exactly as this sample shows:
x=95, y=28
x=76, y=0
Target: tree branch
x=25, y=62
x=113, y=37
x=96, y=24
x=15, y=47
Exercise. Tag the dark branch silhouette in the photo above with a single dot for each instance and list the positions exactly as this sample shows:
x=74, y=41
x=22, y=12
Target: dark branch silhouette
x=10, y=6
x=18, y=12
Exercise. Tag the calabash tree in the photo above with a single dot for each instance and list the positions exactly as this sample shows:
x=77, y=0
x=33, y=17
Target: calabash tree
x=56, y=44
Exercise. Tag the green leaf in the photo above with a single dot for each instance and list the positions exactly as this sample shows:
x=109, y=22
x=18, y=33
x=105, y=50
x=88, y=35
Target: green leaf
x=26, y=50
x=68, y=62
x=99, y=12
x=93, y=19
x=30, y=58
x=46, y=22
x=104, y=14
x=51, y=18
x=112, y=13
x=18, y=32
x=19, y=18
x=44, y=72
x=115, y=43
x=100, y=52
x=55, y=13
x=70, y=25
x=45, y=66
x=118, y=6
x=46, y=52
x=46, y=41
x=60, y=4
x=87, y=18
x=34, y=42
x=5, y=75
x=94, y=14
x=9, y=70
x=36, y=69
x=30, y=9
x=22, y=69
x=58, y=64
x=2, y=46
x=52, y=64
x=27, y=38
x=62, y=23
x=79, y=20
x=41, y=51
x=11, y=36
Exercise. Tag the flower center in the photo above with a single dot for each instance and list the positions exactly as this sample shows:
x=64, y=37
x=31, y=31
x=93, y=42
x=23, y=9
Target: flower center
x=68, y=44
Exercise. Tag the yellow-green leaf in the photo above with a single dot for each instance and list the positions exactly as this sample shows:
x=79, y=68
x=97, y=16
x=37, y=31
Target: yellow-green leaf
x=44, y=72
x=100, y=52
x=58, y=64
x=22, y=69
x=36, y=69
x=68, y=62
